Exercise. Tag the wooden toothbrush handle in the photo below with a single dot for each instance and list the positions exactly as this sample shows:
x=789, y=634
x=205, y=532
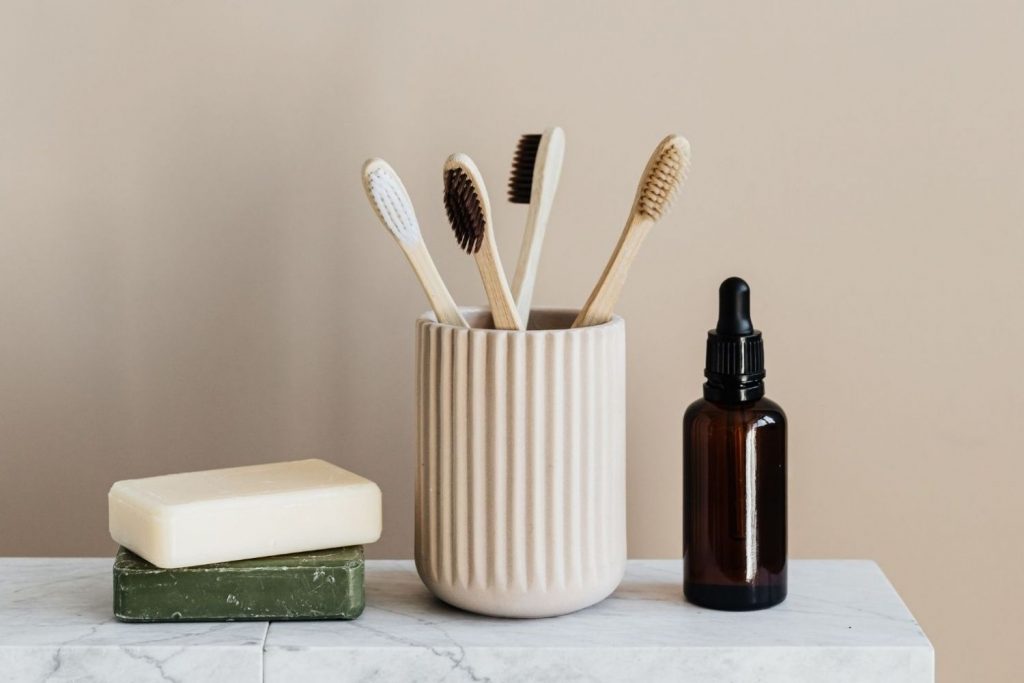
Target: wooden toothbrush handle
x=529, y=257
x=440, y=298
x=503, y=307
x=600, y=307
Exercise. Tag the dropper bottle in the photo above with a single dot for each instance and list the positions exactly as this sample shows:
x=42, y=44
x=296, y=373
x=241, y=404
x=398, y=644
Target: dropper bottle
x=734, y=471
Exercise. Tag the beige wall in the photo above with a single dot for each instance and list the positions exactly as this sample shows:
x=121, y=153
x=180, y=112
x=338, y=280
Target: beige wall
x=190, y=276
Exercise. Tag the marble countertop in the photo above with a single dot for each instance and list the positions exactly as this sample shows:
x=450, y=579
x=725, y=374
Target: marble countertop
x=843, y=622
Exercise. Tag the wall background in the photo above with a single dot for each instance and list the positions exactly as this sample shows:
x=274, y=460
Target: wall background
x=190, y=276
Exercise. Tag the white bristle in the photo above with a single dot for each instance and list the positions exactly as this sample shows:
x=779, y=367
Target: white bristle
x=391, y=202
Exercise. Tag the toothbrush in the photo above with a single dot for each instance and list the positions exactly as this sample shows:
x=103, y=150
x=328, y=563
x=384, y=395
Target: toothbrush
x=536, y=168
x=469, y=212
x=658, y=186
x=393, y=207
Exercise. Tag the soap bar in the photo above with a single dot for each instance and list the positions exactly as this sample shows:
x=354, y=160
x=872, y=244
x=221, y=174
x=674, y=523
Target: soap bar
x=183, y=520
x=326, y=584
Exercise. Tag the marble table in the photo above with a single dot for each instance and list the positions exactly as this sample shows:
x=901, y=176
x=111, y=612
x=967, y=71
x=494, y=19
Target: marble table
x=842, y=622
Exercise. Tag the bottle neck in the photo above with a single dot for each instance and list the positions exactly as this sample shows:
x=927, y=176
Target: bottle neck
x=734, y=389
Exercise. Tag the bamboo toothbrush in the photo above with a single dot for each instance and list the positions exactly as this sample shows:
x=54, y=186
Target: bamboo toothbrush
x=658, y=186
x=536, y=167
x=393, y=207
x=469, y=212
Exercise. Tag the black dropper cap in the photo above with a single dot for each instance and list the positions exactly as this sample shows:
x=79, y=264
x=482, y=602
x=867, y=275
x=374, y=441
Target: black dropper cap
x=735, y=357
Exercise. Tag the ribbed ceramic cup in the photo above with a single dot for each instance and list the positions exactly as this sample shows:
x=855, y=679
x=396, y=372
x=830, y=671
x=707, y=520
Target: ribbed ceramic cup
x=521, y=482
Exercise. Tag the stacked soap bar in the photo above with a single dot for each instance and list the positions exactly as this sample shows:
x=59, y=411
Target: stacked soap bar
x=243, y=543
x=316, y=585
x=181, y=520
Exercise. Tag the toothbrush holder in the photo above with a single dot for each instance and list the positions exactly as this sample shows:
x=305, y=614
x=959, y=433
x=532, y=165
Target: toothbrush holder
x=521, y=471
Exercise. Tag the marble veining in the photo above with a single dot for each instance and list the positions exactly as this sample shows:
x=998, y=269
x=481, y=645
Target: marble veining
x=57, y=623
x=843, y=623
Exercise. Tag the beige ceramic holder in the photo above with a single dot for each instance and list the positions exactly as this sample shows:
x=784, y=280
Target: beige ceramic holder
x=521, y=479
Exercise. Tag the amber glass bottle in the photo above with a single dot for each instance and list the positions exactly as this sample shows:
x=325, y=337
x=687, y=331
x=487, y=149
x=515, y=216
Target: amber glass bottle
x=734, y=471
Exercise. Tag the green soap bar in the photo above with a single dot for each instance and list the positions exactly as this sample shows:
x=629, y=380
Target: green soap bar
x=326, y=584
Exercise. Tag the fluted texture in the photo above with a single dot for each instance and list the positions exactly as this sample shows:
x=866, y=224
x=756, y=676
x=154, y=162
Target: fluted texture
x=520, y=491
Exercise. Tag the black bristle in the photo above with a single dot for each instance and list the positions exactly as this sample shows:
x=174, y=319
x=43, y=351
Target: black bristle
x=462, y=205
x=520, y=181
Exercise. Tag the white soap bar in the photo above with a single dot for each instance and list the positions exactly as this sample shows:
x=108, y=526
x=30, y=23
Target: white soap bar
x=183, y=520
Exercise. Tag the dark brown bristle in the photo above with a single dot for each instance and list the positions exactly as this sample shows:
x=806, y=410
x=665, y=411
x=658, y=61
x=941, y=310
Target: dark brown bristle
x=462, y=205
x=520, y=181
